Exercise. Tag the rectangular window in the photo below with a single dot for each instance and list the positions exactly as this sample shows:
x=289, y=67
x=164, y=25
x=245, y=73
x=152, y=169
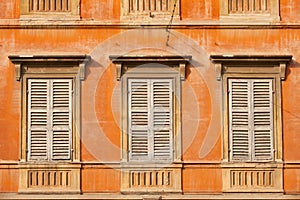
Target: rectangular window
x=150, y=119
x=49, y=119
x=251, y=119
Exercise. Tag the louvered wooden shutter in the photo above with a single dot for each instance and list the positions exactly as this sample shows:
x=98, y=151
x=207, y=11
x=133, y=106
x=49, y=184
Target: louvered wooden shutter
x=162, y=119
x=251, y=119
x=38, y=115
x=262, y=119
x=49, y=119
x=150, y=119
x=239, y=116
x=61, y=118
x=139, y=119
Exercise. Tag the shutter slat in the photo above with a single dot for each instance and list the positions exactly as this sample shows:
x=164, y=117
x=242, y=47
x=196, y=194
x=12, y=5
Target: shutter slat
x=239, y=119
x=38, y=119
x=61, y=119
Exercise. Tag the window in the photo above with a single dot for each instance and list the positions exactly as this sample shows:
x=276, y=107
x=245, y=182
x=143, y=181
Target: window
x=150, y=119
x=150, y=10
x=267, y=10
x=49, y=107
x=251, y=119
x=50, y=137
x=151, y=132
x=252, y=125
x=59, y=9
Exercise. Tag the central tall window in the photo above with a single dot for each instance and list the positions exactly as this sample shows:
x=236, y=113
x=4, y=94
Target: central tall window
x=151, y=122
x=150, y=119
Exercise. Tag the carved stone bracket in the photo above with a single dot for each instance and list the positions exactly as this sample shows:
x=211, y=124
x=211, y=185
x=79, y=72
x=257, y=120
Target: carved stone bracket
x=122, y=62
x=276, y=64
x=22, y=62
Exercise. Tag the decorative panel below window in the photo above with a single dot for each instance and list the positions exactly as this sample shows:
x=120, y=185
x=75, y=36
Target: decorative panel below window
x=150, y=9
x=49, y=9
x=248, y=6
x=49, y=5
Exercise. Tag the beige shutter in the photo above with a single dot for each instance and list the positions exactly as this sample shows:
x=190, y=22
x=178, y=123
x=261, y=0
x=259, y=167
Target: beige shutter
x=49, y=119
x=239, y=119
x=251, y=119
x=150, y=119
x=138, y=119
x=262, y=120
x=61, y=118
x=162, y=119
x=38, y=123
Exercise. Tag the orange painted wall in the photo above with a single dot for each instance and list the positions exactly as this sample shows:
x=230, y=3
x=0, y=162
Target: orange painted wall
x=100, y=179
x=201, y=120
x=9, y=179
x=203, y=179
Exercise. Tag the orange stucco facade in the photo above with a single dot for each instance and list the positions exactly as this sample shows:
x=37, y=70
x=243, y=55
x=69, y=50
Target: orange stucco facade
x=100, y=33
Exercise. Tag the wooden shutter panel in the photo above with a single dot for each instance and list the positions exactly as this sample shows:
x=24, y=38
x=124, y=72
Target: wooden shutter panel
x=139, y=111
x=150, y=119
x=239, y=119
x=162, y=118
x=61, y=118
x=263, y=119
x=38, y=115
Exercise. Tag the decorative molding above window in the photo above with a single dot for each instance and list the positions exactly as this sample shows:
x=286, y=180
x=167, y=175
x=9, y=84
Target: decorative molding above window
x=64, y=64
x=150, y=10
x=50, y=9
x=124, y=63
x=250, y=10
x=252, y=64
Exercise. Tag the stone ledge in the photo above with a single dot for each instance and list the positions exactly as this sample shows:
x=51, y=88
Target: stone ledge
x=141, y=197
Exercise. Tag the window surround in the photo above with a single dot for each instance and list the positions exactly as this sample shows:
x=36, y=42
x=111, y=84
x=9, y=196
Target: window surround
x=257, y=67
x=273, y=15
x=151, y=67
x=51, y=67
x=72, y=14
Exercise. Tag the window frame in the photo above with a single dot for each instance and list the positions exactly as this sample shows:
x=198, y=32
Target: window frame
x=33, y=173
x=50, y=67
x=147, y=74
x=243, y=176
x=156, y=67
